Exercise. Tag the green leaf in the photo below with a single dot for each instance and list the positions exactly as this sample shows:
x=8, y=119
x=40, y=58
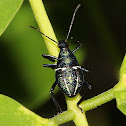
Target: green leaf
x=13, y=113
x=120, y=89
x=8, y=9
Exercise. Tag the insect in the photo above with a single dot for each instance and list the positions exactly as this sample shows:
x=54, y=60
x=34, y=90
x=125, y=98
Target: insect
x=68, y=74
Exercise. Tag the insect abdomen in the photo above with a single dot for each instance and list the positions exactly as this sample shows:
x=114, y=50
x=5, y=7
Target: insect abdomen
x=70, y=80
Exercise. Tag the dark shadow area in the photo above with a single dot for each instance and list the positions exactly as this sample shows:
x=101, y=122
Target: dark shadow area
x=10, y=81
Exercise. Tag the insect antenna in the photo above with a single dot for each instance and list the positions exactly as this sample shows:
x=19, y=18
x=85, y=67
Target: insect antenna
x=72, y=21
x=44, y=34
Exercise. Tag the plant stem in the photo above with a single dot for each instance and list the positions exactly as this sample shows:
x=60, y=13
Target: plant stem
x=64, y=117
x=80, y=118
x=73, y=113
x=45, y=26
x=98, y=100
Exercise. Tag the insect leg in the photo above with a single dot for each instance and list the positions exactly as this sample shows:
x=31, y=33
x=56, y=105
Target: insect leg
x=54, y=99
x=73, y=51
x=86, y=93
x=53, y=66
x=51, y=58
x=84, y=70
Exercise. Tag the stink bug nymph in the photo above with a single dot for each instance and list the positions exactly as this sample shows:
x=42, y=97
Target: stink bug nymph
x=69, y=75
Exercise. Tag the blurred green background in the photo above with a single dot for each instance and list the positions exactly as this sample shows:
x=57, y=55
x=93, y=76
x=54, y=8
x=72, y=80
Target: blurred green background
x=99, y=25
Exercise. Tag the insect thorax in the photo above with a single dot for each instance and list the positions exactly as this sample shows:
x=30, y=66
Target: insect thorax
x=66, y=58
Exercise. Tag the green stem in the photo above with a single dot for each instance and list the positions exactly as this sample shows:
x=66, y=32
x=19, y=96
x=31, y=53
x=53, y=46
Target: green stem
x=80, y=118
x=73, y=113
x=98, y=100
x=45, y=26
x=64, y=117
